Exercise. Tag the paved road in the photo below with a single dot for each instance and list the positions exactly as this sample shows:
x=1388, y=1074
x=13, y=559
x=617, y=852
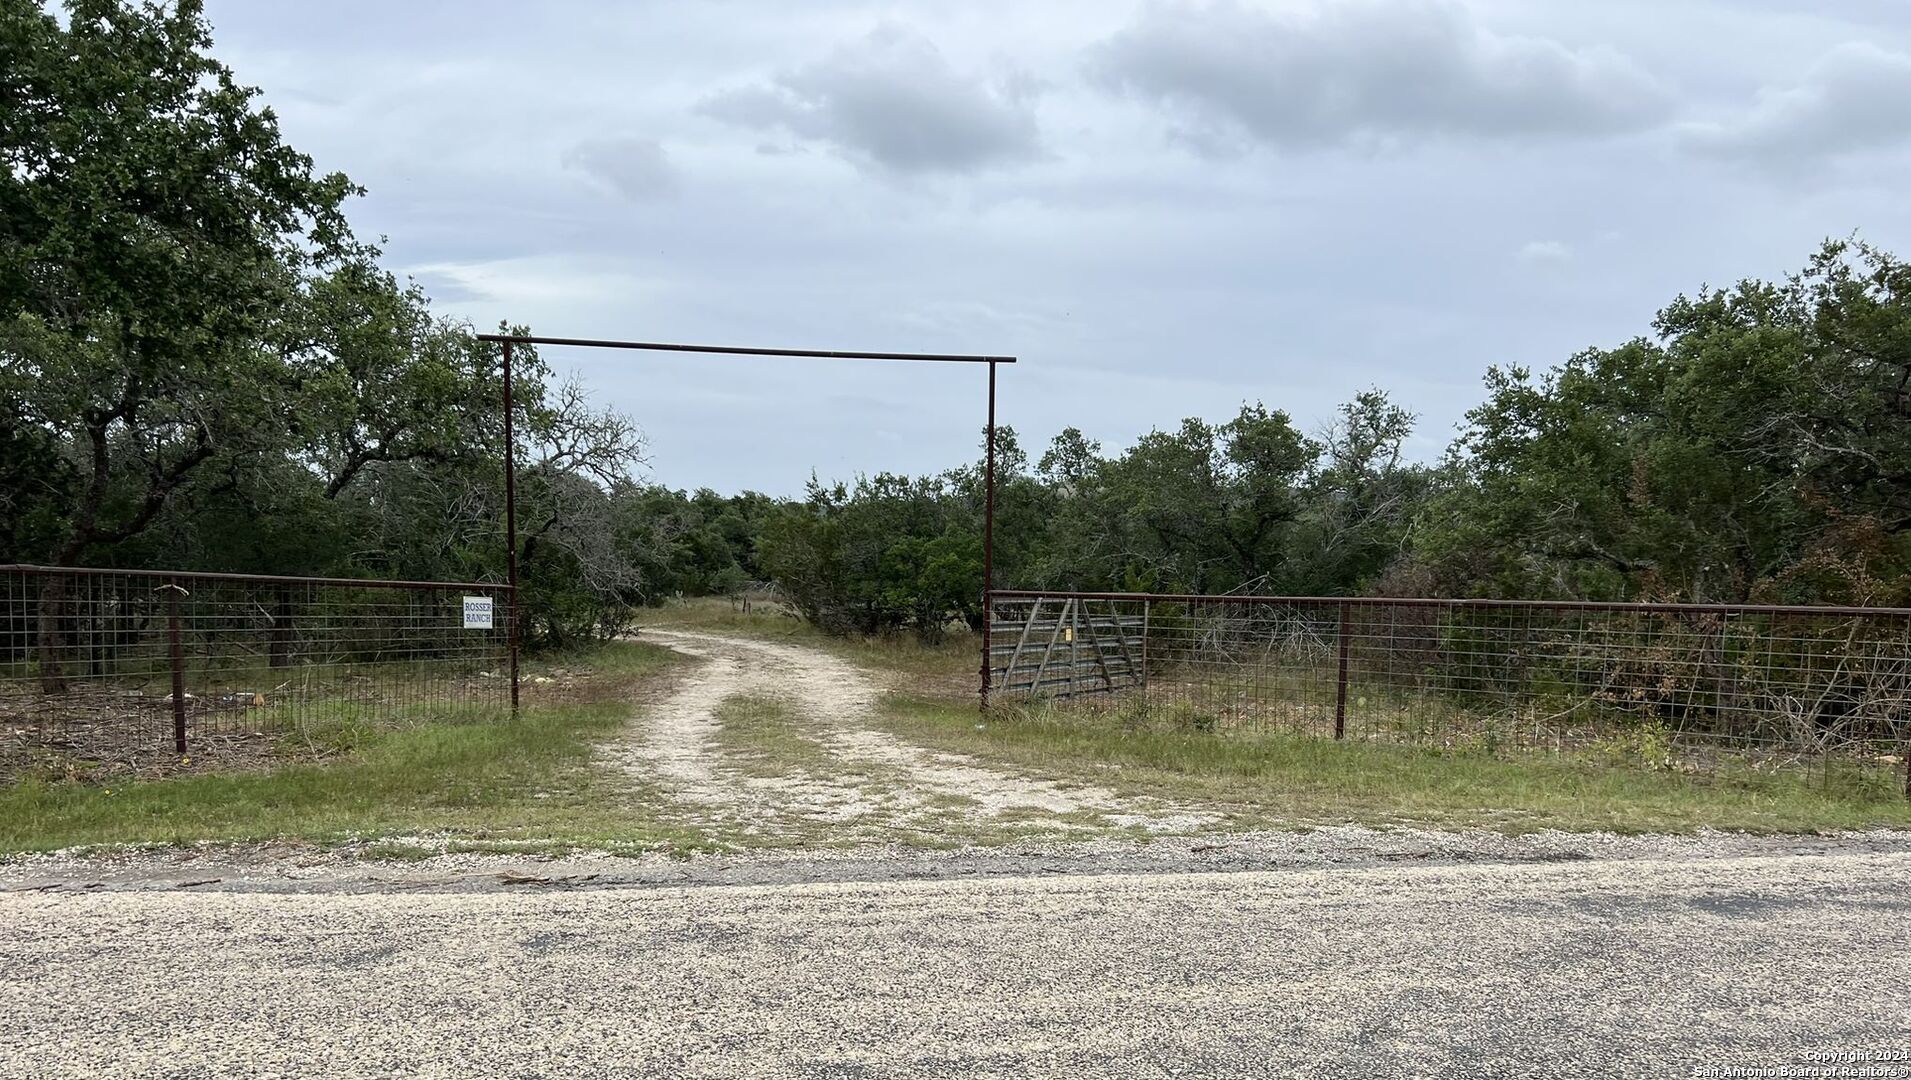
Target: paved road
x=1605, y=967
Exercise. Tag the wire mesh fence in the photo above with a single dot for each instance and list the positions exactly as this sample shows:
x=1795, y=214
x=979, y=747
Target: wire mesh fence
x=128, y=665
x=1678, y=680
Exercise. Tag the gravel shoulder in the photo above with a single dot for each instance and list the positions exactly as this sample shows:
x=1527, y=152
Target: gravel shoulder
x=285, y=868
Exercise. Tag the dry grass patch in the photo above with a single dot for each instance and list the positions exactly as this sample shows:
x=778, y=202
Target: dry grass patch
x=529, y=779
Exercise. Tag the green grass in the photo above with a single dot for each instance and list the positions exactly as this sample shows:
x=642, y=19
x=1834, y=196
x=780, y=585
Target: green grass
x=764, y=737
x=485, y=783
x=1285, y=780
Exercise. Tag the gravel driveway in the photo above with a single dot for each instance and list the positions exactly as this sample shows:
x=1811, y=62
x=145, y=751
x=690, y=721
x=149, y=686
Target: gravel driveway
x=869, y=784
x=1553, y=957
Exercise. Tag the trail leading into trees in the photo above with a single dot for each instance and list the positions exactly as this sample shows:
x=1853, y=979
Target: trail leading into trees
x=862, y=783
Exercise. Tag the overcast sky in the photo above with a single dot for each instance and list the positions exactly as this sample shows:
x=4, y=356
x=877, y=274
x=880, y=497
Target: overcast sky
x=1164, y=209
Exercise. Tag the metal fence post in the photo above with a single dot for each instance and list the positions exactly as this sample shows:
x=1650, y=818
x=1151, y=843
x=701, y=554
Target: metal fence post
x=1145, y=605
x=1340, y=681
x=173, y=593
x=511, y=522
x=988, y=548
x=1074, y=647
x=279, y=649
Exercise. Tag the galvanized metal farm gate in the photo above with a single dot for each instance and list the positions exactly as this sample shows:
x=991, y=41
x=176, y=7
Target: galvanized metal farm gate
x=1065, y=646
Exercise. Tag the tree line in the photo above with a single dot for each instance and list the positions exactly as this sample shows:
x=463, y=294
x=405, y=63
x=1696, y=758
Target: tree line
x=202, y=367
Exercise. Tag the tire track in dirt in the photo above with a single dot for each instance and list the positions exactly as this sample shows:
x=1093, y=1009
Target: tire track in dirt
x=676, y=746
x=884, y=784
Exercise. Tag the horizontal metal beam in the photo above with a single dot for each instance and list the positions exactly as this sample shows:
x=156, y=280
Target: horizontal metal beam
x=252, y=579
x=1621, y=607
x=739, y=350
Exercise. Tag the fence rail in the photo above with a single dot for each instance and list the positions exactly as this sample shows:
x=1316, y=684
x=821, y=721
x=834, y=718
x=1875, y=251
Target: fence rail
x=1782, y=681
x=122, y=665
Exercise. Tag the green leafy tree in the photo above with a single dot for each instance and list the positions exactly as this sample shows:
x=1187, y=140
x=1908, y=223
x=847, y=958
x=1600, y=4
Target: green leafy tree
x=1204, y=508
x=153, y=228
x=887, y=554
x=378, y=378
x=153, y=225
x=1757, y=448
x=1361, y=501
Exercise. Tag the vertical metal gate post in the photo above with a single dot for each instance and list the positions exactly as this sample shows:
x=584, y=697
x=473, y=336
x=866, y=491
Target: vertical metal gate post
x=1340, y=681
x=1145, y=605
x=988, y=545
x=173, y=592
x=1074, y=648
x=511, y=524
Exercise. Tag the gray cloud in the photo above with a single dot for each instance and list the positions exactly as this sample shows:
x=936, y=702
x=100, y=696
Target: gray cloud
x=637, y=169
x=1138, y=284
x=1856, y=97
x=894, y=101
x=1369, y=72
x=1535, y=252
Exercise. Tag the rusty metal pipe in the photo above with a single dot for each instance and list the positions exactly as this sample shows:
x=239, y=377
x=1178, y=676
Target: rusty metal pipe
x=743, y=350
x=173, y=593
x=988, y=542
x=1417, y=601
x=1340, y=681
x=34, y=570
x=511, y=523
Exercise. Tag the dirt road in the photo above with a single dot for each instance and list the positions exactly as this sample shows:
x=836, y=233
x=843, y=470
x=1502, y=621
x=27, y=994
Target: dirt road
x=858, y=782
x=1649, y=967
